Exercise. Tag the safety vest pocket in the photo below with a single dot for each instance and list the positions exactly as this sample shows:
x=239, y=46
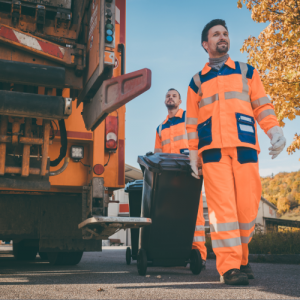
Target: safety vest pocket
x=211, y=155
x=246, y=129
x=246, y=155
x=204, y=133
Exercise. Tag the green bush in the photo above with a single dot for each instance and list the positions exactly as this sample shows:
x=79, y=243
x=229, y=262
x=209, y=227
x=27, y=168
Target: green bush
x=271, y=243
x=275, y=243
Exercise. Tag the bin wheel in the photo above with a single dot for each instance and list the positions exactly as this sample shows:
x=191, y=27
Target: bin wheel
x=142, y=262
x=128, y=256
x=196, y=262
x=43, y=255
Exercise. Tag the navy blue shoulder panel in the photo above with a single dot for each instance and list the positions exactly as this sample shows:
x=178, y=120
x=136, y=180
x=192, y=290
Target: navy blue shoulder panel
x=157, y=129
x=193, y=86
x=208, y=76
x=174, y=121
x=229, y=71
x=183, y=115
x=250, y=72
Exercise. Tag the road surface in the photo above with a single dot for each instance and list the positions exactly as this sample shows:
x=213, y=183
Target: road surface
x=105, y=275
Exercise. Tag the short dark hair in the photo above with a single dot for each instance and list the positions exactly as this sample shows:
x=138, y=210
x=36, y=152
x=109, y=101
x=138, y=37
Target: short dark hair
x=204, y=35
x=171, y=89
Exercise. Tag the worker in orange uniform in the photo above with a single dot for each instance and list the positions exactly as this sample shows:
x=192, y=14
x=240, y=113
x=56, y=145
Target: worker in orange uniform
x=171, y=137
x=224, y=102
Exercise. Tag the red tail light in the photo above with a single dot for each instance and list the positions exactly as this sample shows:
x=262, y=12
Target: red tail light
x=111, y=133
x=98, y=169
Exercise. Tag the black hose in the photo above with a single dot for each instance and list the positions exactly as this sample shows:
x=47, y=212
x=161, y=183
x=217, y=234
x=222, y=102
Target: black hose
x=64, y=144
x=121, y=48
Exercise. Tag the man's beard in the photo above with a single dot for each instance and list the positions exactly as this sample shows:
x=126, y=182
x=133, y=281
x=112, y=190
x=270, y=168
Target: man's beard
x=222, y=50
x=171, y=106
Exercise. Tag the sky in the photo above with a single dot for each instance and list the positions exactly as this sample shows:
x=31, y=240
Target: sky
x=165, y=36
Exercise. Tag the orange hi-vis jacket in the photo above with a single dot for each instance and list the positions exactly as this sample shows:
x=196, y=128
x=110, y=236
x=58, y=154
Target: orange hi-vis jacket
x=171, y=135
x=223, y=107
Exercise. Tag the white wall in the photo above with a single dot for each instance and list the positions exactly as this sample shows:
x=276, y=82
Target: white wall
x=266, y=211
x=113, y=211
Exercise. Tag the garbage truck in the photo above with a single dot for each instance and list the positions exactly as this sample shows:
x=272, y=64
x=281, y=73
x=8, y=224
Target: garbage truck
x=63, y=90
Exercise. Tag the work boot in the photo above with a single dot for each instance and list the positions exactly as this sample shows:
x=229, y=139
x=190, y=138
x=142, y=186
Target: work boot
x=234, y=277
x=247, y=270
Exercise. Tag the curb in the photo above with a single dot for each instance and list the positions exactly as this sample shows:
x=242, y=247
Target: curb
x=269, y=258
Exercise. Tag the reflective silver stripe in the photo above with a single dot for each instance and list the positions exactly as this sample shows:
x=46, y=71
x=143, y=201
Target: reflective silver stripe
x=199, y=228
x=237, y=95
x=226, y=242
x=180, y=137
x=191, y=121
x=259, y=102
x=247, y=226
x=208, y=100
x=159, y=129
x=192, y=135
x=157, y=150
x=165, y=142
x=198, y=83
x=199, y=239
x=246, y=239
x=224, y=227
x=265, y=113
x=244, y=70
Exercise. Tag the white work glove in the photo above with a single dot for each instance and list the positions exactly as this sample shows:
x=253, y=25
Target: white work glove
x=194, y=164
x=195, y=172
x=278, y=141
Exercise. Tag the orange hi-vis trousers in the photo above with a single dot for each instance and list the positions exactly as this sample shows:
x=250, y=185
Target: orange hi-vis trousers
x=199, y=235
x=233, y=192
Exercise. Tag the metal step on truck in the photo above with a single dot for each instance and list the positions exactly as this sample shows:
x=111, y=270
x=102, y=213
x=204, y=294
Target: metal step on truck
x=63, y=91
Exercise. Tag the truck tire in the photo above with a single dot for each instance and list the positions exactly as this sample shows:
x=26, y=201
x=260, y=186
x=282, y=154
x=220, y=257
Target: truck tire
x=22, y=252
x=43, y=255
x=64, y=258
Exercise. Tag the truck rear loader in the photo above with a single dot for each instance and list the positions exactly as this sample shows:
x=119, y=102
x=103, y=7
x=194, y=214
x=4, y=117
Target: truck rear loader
x=63, y=91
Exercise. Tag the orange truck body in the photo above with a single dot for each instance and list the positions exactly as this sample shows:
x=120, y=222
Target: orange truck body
x=79, y=48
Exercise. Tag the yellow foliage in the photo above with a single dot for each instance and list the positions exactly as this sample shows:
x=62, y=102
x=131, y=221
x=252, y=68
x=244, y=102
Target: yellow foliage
x=275, y=53
x=283, y=190
x=283, y=205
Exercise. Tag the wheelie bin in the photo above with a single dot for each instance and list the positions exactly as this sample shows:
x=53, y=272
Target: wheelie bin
x=134, y=189
x=171, y=199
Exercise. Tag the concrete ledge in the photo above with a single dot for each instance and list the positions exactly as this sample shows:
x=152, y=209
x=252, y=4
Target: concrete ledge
x=269, y=258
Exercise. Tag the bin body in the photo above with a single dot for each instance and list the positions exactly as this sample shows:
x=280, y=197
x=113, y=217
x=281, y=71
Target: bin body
x=171, y=199
x=134, y=189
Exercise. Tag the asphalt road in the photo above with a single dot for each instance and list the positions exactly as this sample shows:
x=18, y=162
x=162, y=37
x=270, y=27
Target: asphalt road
x=105, y=275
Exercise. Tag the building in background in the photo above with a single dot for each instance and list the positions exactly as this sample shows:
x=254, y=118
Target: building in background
x=266, y=210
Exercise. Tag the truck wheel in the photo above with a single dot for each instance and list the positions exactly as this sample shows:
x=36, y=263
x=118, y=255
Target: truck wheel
x=43, y=255
x=142, y=262
x=22, y=252
x=128, y=256
x=64, y=258
x=196, y=262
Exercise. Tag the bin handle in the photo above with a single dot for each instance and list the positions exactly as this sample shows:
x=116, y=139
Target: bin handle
x=178, y=164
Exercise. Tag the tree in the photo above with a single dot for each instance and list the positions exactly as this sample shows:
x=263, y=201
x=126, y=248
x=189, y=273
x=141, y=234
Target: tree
x=283, y=205
x=276, y=55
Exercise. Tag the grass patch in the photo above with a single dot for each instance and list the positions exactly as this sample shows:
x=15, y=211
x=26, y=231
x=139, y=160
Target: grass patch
x=271, y=243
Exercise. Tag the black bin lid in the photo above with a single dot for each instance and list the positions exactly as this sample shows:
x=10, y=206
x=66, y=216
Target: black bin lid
x=159, y=162
x=136, y=185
